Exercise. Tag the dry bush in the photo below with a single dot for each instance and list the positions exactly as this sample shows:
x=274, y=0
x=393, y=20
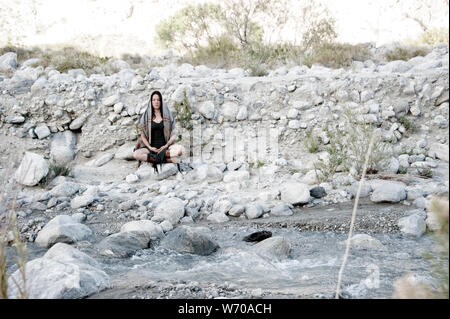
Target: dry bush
x=405, y=53
x=337, y=55
x=435, y=36
x=10, y=234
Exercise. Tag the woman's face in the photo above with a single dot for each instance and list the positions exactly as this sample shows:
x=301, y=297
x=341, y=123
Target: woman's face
x=156, y=102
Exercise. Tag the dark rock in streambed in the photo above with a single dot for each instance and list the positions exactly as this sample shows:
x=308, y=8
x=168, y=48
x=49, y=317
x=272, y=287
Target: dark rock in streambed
x=258, y=236
x=317, y=192
x=193, y=240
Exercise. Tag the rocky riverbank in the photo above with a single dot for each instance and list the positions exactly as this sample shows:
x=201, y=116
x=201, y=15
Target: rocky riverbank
x=107, y=209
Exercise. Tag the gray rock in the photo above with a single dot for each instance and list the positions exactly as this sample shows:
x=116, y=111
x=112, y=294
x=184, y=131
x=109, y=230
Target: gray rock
x=230, y=110
x=125, y=152
x=295, y=193
x=207, y=109
x=153, y=230
x=192, y=240
x=14, y=119
x=236, y=210
x=281, y=210
x=82, y=201
x=413, y=225
x=32, y=169
x=273, y=248
x=62, y=273
x=388, y=191
x=253, y=211
x=363, y=241
x=65, y=189
x=62, y=148
x=171, y=209
x=222, y=206
x=62, y=229
x=77, y=123
x=218, y=217
x=8, y=61
x=102, y=160
x=42, y=131
x=441, y=151
x=124, y=244
x=236, y=176
x=111, y=100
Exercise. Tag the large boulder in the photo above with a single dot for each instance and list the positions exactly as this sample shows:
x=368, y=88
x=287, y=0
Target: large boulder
x=413, y=225
x=273, y=248
x=124, y=244
x=171, y=209
x=31, y=170
x=295, y=193
x=62, y=229
x=8, y=61
x=388, y=191
x=62, y=273
x=152, y=229
x=62, y=148
x=192, y=240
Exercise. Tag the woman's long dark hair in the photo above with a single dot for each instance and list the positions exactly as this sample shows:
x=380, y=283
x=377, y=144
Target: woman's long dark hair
x=151, y=104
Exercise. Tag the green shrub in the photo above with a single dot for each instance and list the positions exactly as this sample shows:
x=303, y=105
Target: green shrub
x=311, y=142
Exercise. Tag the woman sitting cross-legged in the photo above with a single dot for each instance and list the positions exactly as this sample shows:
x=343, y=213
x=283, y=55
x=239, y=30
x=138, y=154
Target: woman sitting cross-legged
x=158, y=135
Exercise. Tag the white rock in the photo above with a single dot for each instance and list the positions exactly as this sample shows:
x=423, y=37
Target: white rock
x=42, y=131
x=166, y=226
x=295, y=193
x=77, y=123
x=413, y=225
x=62, y=148
x=152, y=229
x=172, y=209
x=363, y=241
x=207, y=109
x=65, y=189
x=388, y=191
x=62, y=273
x=63, y=229
x=8, y=61
x=132, y=178
x=273, y=248
x=31, y=170
x=253, y=211
x=81, y=201
x=236, y=176
x=102, y=160
x=441, y=151
x=230, y=110
x=218, y=217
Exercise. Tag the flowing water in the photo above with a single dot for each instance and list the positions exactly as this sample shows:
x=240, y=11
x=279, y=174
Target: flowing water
x=310, y=271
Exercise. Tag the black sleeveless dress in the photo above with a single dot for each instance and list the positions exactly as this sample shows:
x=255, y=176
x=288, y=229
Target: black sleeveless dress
x=157, y=141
